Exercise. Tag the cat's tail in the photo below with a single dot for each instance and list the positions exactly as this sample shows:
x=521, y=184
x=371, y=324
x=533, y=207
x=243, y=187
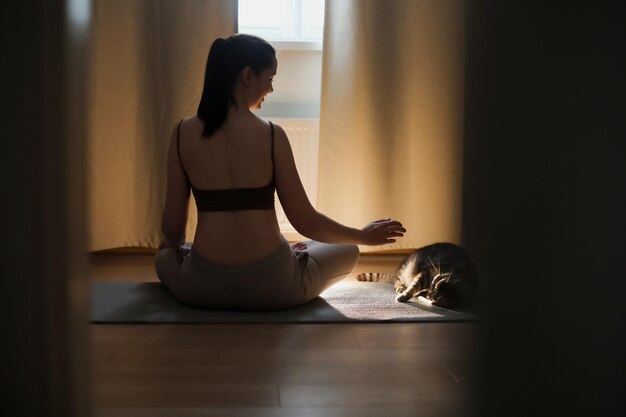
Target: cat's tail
x=377, y=277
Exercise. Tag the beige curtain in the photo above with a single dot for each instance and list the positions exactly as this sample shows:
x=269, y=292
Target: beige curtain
x=147, y=60
x=391, y=116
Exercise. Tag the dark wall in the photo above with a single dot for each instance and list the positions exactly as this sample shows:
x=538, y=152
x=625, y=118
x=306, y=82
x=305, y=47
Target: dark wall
x=544, y=203
x=44, y=300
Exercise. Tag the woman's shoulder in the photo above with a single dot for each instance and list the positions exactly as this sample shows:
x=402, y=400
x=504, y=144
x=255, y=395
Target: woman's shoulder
x=190, y=126
x=262, y=124
x=191, y=120
x=278, y=129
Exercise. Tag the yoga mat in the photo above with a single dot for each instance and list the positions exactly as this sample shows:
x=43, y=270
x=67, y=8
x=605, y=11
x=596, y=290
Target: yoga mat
x=347, y=301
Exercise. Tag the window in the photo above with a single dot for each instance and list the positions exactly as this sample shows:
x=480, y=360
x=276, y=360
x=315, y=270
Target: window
x=287, y=24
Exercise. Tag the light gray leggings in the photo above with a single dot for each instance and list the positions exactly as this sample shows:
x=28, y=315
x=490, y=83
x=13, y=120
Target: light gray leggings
x=284, y=279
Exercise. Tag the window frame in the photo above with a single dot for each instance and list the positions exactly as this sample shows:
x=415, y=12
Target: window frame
x=285, y=43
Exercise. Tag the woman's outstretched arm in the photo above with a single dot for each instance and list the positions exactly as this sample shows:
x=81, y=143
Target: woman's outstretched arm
x=313, y=224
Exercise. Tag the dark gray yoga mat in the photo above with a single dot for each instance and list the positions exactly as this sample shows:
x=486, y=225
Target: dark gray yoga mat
x=347, y=301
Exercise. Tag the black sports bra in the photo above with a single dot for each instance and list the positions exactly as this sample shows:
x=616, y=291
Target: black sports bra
x=233, y=199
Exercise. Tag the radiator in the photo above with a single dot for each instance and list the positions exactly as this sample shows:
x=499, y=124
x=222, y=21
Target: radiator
x=303, y=136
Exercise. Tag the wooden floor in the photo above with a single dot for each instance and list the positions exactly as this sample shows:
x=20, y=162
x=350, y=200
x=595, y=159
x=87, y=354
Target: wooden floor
x=294, y=370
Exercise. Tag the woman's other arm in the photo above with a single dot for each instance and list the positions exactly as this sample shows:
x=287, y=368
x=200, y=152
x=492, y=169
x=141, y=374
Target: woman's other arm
x=176, y=211
x=313, y=224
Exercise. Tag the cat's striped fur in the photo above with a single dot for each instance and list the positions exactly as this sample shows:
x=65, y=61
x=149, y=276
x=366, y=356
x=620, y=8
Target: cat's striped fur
x=441, y=272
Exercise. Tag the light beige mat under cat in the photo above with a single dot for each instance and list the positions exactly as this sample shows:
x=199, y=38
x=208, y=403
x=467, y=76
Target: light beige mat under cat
x=347, y=301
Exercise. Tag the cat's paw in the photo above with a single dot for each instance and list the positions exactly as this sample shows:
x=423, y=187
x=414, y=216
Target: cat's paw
x=362, y=276
x=400, y=289
x=403, y=298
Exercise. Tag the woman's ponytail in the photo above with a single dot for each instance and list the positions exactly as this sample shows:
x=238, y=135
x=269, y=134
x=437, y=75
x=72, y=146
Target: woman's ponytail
x=216, y=100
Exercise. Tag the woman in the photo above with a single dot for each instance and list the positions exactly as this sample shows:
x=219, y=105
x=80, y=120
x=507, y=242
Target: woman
x=233, y=161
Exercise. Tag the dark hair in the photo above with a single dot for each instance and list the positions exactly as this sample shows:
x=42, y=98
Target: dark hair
x=227, y=58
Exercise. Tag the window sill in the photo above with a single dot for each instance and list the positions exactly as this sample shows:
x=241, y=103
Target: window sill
x=297, y=45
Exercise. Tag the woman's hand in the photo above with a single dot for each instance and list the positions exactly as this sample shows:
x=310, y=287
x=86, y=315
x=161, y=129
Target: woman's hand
x=381, y=232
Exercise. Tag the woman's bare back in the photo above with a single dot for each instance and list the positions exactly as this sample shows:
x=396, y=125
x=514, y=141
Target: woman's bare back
x=238, y=155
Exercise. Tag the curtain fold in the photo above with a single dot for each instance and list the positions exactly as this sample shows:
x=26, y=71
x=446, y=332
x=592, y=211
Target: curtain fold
x=147, y=70
x=391, y=120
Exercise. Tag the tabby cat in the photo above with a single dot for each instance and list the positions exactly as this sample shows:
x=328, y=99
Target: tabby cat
x=440, y=272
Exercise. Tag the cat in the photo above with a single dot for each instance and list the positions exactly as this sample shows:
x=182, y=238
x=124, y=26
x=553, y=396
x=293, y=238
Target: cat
x=441, y=272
